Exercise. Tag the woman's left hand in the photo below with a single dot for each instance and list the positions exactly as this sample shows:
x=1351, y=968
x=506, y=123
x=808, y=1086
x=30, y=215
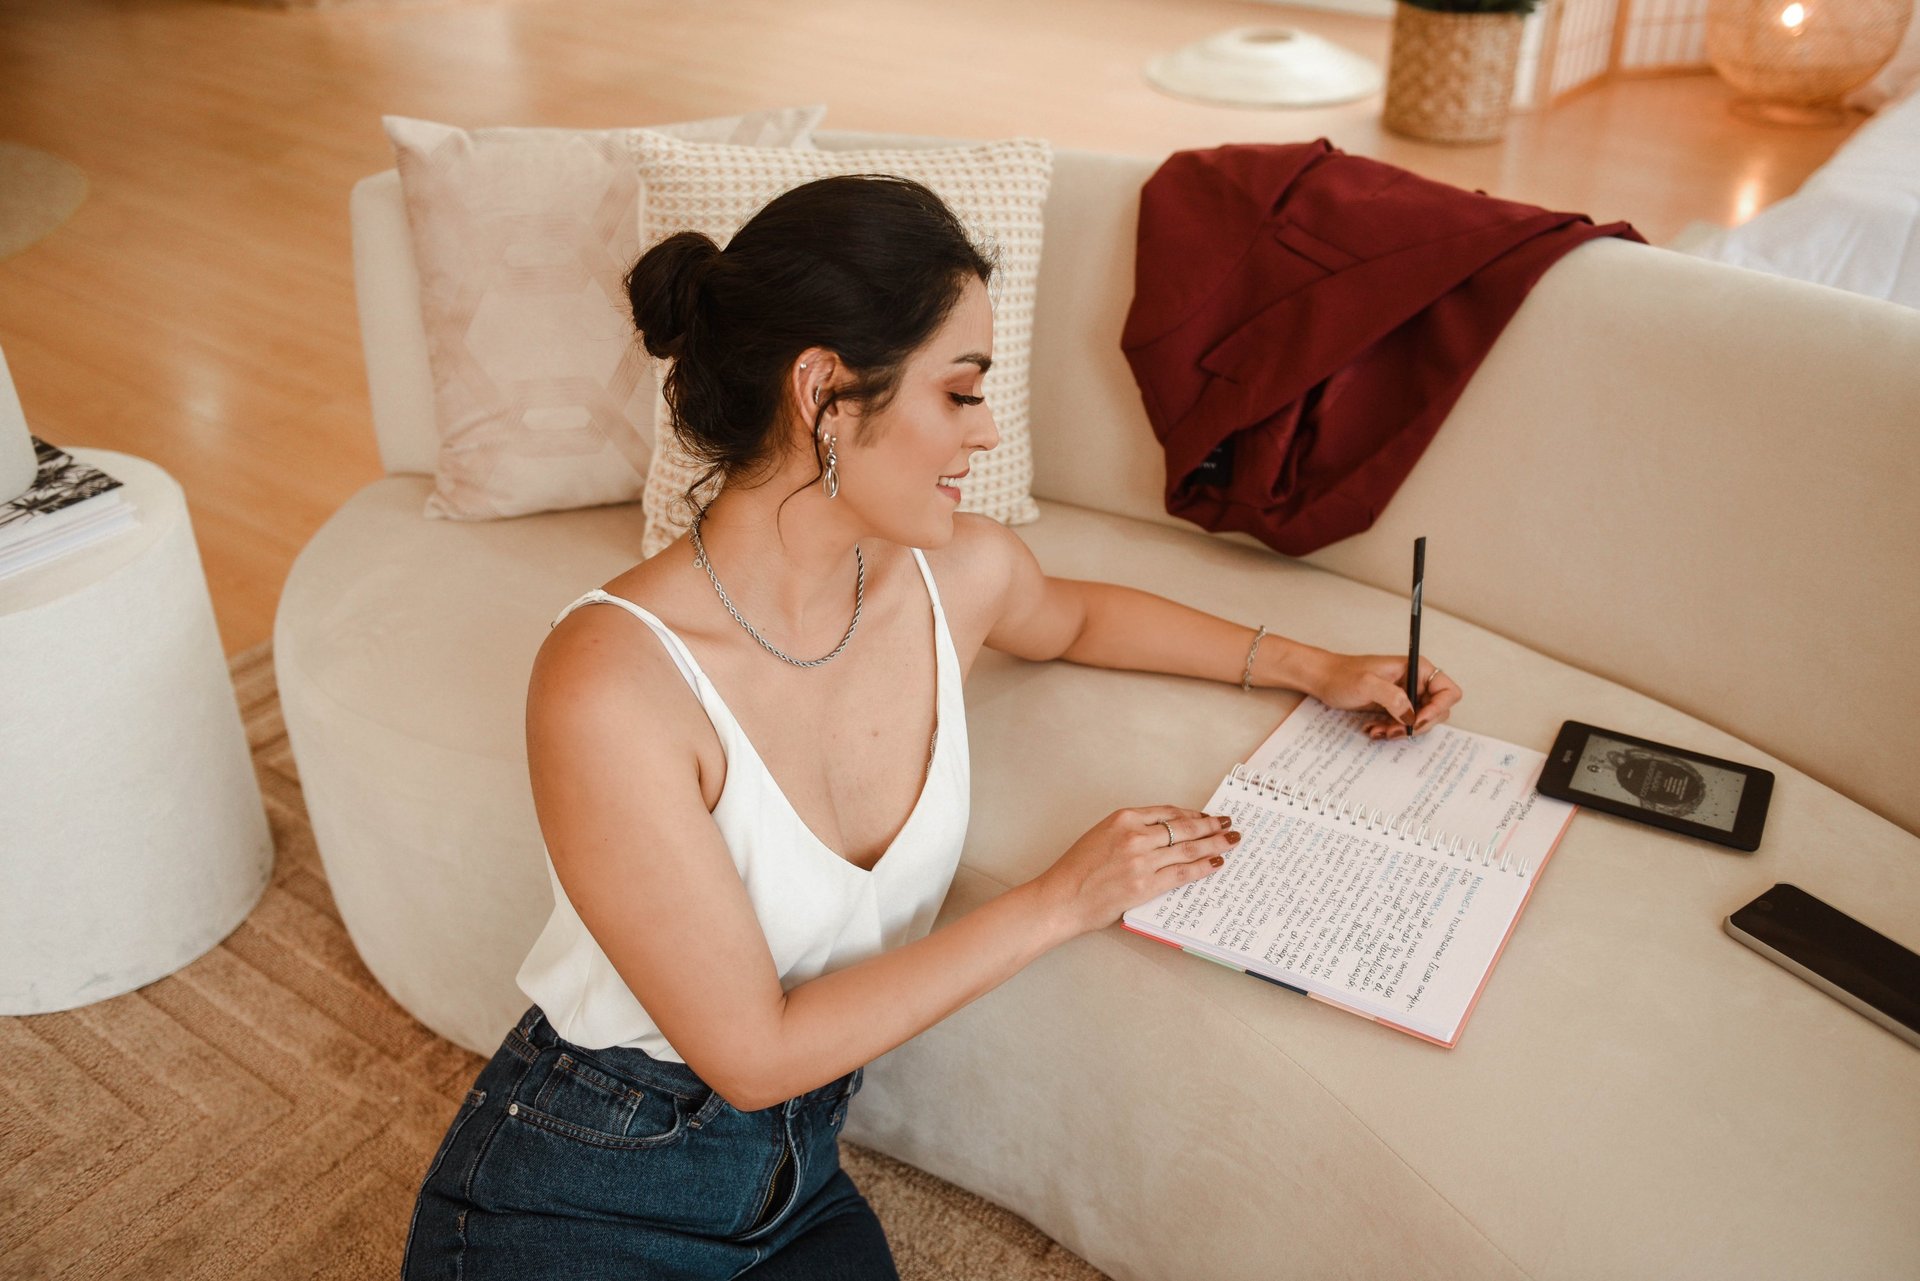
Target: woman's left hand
x=1377, y=683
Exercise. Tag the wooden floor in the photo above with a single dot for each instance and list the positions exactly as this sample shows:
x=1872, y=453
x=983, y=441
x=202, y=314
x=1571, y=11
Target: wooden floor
x=198, y=308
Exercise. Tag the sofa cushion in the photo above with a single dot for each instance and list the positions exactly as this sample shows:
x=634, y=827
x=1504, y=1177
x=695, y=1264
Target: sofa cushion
x=523, y=237
x=1636, y=1093
x=998, y=189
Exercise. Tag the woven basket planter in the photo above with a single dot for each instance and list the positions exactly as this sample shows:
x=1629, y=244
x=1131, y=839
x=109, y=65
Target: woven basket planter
x=1450, y=75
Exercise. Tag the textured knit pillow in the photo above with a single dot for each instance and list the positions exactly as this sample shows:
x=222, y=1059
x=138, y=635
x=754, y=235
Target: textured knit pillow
x=542, y=395
x=996, y=189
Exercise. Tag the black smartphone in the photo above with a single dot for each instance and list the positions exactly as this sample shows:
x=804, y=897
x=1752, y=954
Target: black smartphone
x=1837, y=954
x=1670, y=787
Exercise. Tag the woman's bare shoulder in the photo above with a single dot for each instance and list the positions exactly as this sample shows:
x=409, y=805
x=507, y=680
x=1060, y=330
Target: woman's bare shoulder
x=601, y=660
x=973, y=567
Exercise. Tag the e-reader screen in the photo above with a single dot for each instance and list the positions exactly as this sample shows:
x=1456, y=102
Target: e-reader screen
x=1662, y=782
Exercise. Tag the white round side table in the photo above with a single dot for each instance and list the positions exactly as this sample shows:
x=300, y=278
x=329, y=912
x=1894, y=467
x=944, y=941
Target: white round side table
x=132, y=833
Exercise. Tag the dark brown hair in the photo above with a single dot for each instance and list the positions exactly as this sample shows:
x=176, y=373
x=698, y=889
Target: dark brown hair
x=867, y=266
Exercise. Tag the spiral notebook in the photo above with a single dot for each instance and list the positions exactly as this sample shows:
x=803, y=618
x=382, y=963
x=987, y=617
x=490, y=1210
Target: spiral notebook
x=1384, y=878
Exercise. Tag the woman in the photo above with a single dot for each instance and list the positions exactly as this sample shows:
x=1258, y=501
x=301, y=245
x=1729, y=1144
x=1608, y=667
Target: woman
x=748, y=843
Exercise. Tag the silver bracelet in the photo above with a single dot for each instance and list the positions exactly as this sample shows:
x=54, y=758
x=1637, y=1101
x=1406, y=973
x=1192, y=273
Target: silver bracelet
x=1246, y=677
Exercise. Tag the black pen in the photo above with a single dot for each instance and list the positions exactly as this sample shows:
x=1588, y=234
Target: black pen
x=1413, y=637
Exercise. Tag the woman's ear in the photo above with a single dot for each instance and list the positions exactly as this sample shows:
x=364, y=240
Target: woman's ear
x=811, y=380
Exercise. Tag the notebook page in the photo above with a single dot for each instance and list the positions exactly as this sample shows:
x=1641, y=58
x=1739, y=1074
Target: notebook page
x=1359, y=917
x=1465, y=784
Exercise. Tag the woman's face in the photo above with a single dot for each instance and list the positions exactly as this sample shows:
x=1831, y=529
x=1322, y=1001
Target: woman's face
x=938, y=420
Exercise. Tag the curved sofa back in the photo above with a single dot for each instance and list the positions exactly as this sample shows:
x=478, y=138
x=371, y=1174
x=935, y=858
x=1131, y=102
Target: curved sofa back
x=1690, y=478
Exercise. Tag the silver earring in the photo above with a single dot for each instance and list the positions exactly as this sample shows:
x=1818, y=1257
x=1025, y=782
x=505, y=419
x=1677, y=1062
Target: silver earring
x=831, y=480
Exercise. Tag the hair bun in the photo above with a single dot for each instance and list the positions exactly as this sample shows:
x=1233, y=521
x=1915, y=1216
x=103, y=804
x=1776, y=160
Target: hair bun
x=663, y=290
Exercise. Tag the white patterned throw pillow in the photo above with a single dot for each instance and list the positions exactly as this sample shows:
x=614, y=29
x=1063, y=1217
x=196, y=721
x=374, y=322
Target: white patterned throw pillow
x=998, y=190
x=542, y=395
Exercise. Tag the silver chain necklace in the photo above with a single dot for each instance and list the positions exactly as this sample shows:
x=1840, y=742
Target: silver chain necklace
x=859, y=597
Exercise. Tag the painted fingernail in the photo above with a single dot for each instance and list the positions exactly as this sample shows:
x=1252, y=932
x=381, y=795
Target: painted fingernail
x=1225, y=819
x=1216, y=860
x=1233, y=838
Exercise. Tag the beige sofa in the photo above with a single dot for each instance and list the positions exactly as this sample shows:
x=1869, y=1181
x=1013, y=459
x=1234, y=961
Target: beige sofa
x=1676, y=499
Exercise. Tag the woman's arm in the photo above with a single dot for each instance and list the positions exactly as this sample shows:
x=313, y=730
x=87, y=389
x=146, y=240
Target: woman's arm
x=650, y=875
x=1123, y=627
x=1109, y=625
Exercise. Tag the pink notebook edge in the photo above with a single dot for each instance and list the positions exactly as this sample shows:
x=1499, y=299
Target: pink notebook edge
x=1459, y=1029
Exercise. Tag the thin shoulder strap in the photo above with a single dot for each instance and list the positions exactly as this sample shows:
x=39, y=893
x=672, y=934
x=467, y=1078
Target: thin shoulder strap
x=926, y=572
x=682, y=657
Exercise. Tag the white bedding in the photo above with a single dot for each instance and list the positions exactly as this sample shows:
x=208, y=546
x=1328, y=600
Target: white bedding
x=1854, y=224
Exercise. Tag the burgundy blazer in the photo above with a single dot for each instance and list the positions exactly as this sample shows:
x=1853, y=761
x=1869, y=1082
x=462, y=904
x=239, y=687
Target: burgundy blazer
x=1303, y=319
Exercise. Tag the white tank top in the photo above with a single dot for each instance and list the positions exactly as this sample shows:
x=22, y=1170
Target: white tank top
x=819, y=912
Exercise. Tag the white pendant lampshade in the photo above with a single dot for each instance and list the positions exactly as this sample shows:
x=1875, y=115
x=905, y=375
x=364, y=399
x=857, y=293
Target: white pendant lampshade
x=1265, y=67
x=17, y=463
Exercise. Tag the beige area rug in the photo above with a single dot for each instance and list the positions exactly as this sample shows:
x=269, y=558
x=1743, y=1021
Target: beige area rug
x=268, y=1111
x=37, y=193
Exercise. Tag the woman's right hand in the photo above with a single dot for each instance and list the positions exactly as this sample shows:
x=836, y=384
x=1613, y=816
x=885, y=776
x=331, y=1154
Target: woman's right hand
x=1125, y=860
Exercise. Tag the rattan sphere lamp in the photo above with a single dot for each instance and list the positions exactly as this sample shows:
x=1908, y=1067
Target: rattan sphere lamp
x=1792, y=61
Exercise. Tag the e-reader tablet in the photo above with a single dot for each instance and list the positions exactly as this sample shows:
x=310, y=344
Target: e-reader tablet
x=1671, y=787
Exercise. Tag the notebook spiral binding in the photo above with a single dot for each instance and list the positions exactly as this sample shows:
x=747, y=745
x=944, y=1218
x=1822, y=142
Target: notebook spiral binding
x=1376, y=820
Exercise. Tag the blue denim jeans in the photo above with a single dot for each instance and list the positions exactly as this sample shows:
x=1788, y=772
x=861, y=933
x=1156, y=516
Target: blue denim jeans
x=590, y=1164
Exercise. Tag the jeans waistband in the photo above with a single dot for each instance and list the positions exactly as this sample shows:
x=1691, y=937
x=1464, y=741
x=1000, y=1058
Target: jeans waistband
x=536, y=1034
